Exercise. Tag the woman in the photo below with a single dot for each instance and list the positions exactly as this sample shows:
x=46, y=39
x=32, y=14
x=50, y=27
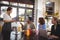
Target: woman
x=6, y=30
x=42, y=24
x=43, y=27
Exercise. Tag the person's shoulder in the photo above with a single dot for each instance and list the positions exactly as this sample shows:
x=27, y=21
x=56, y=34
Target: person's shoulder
x=58, y=24
x=32, y=23
x=5, y=14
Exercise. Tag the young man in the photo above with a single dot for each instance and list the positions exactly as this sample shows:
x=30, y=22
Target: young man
x=55, y=30
x=29, y=26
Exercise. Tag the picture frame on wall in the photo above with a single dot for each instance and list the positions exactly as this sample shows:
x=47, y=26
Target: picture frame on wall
x=50, y=8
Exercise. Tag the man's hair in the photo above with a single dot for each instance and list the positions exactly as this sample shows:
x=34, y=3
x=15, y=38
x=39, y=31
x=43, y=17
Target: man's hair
x=9, y=9
x=55, y=19
x=30, y=18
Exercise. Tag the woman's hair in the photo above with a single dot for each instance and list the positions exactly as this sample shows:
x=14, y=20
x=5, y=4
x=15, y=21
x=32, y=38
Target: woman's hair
x=9, y=9
x=41, y=21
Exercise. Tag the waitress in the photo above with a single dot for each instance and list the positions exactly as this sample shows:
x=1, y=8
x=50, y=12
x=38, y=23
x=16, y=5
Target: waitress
x=6, y=30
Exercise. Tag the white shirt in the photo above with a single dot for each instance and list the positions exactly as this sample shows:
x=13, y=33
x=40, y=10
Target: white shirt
x=6, y=17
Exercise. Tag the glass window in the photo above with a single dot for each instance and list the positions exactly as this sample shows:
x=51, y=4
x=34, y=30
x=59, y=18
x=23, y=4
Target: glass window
x=12, y=3
x=3, y=10
x=21, y=18
x=21, y=11
x=29, y=12
x=20, y=4
x=5, y=2
x=30, y=6
x=14, y=12
x=21, y=14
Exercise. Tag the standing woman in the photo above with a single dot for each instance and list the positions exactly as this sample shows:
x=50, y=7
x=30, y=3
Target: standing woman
x=6, y=30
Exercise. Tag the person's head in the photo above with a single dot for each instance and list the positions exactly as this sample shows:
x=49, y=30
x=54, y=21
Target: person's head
x=29, y=19
x=54, y=20
x=9, y=10
x=41, y=21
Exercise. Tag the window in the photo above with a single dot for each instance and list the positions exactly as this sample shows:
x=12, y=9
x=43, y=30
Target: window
x=30, y=6
x=21, y=18
x=12, y=3
x=21, y=14
x=23, y=11
x=14, y=12
x=20, y=4
x=29, y=12
x=3, y=10
x=4, y=2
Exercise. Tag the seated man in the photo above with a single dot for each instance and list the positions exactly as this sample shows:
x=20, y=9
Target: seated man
x=29, y=29
x=55, y=30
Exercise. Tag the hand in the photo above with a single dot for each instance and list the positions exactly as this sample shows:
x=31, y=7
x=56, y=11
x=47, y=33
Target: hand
x=23, y=30
x=13, y=20
x=53, y=36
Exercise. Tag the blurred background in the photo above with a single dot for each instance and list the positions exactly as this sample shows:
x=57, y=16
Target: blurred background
x=22, y=9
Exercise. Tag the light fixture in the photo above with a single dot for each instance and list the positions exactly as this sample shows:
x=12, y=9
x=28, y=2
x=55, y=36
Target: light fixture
x=48, y=1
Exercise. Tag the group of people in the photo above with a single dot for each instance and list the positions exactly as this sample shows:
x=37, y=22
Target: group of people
x=6, y=30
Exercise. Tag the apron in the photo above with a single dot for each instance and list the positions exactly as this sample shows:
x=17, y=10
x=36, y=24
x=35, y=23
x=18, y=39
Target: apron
x=6, y=30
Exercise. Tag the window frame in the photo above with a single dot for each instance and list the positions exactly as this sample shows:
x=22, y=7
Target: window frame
x=18, y=8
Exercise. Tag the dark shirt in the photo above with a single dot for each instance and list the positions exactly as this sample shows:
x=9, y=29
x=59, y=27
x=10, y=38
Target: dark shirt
x=56, y=31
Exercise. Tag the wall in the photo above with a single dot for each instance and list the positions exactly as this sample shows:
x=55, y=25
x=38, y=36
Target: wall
x=40, y=8
x=59, y=7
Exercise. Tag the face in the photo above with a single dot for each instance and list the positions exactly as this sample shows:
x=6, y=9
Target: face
x=28, y=20
x=53, y=21
x=10, y=11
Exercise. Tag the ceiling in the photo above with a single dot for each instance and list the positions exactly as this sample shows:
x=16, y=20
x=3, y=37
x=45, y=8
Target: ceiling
x=21, y=1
